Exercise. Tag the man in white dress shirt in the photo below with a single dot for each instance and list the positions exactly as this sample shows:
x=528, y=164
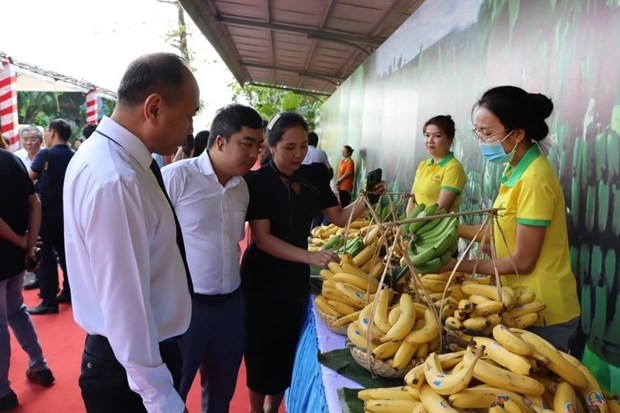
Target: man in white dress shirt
x=211, y=198
x=31, y=138
x=131, y=291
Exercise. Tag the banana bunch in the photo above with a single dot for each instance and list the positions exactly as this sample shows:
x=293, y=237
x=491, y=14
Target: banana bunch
x=346, y=290
x=331, y=236
x=396, y=334
x=516, y=371
x=474, y=306
x=434, y=241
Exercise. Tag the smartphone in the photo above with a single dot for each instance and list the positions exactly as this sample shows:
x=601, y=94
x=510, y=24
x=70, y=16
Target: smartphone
x=372, y=179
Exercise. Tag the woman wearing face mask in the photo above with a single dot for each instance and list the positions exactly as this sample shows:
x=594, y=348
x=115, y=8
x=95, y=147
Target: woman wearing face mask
x=508, y=123
x=441, y=178
x=284, y=197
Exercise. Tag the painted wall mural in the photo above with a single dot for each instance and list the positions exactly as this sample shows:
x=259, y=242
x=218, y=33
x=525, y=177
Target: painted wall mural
x=445, y=56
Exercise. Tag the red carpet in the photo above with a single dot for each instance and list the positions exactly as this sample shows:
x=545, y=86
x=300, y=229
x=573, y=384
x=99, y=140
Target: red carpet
x=62, y=342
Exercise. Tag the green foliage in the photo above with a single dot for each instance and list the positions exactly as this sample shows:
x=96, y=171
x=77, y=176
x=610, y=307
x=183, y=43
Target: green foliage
x=268, y=101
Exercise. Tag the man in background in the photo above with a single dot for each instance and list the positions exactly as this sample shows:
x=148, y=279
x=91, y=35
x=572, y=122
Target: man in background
x=48, y=170
x=20, y=217
x=317, y=155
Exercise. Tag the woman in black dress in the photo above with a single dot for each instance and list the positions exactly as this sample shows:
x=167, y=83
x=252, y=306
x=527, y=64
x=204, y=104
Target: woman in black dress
x=284, y=197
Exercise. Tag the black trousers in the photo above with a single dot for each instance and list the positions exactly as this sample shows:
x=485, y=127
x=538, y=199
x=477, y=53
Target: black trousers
x=103, y=379
x=52, y=253
x=345, y=198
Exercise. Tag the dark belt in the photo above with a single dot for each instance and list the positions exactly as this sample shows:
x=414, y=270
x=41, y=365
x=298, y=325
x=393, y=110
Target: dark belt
x=215, y=298
x=99, y=346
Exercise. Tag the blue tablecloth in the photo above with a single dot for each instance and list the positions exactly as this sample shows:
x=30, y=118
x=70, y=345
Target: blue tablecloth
x=314, y=386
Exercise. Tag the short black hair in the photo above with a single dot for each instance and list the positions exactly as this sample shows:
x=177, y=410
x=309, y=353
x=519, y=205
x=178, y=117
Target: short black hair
x=230, y=119
x=62, y=128
x=313, y=139
x=88, y=130
x=349, y=149
x=200, y=142
x=162, y=73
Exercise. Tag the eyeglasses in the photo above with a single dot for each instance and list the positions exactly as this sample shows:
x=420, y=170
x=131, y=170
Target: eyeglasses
x=479, y=135
x=31, y=139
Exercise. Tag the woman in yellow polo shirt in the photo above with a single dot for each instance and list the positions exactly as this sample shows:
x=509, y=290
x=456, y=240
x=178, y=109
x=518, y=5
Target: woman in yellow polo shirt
x=441, y=178
x=508, y=124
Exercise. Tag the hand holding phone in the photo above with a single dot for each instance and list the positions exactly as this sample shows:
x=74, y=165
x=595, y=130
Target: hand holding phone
x=372, y=179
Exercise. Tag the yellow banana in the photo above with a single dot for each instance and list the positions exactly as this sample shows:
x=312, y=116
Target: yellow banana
x=326, y=274
x=433, y=345
x=494, y=319
x=456, y=292
x=365, y=284
x=459, y=315
x=347, y=319
x=512, y=406
x=487, y=308
x=405, y=322
x=526, y=320
x=413, y=391
x=592, y=393
x=415, y=377
x=478, y=299
x=489, y=291
x=386, y=393
x=328, y=284
x=404, y=354
x=446, y=384
x=352, y=269
x=377, y=269
x=381, y=311
x=393, y=314
x=363, y=321
x=511, y=341
x=390, y=406
x=565, y=399
x=419, y=408
x=508, y=320
x=422, y=351
x=444, y=276
x=359, y=223
x=372, y=234
x=482, y=397
x=504, y=357
x=364, y=255
x=453, y=323
x=321, y=304
x=345, y=258
x=342, y=308
x=525, y=298
x=448, y=311
x=429, y=331
x=355, y=298
x=533, y=307
x=334, y=267
x=333, y=293
x=433, y=286
x=497, y=408
x=356, y=337
x=614, y=406
x=433, y=402
x=476, y=323
x=558, y=364
x=465, y=306
x=505, y=379
x=386, y=350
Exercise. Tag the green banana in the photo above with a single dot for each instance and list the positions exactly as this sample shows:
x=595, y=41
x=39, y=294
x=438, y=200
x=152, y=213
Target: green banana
x=333, y=242
x=430, y=224
x=355, y=247
x=435, y=250
x=428, y=211
x=436, y=234
x=435, y=264
x=412, y=215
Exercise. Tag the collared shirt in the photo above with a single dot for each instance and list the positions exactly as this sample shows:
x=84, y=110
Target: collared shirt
x=128, y=281
x=316, y=155
x=531, y=195
x=212, y=218
x=51, y=166
x=432, y=177
x=22, y=154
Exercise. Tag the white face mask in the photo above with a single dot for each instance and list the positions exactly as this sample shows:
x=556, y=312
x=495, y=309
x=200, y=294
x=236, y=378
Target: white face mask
x=494, y=151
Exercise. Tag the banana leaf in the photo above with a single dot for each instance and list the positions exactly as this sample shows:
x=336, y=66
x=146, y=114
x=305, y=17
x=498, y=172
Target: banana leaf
x=343, y=363
x=349, y=401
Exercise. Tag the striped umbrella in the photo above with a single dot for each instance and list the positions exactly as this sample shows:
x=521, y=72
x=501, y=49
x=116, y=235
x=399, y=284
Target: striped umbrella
x=92, y=114
x=8, y=103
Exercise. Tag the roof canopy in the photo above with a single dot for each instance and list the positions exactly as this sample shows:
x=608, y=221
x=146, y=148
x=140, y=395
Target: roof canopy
x=309, y=45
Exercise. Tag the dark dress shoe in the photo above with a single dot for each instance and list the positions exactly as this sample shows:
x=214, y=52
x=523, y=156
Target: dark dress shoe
x=64, y=298
x=43, y=309
x=43, y=377
x=8, y=402
x=31, y=285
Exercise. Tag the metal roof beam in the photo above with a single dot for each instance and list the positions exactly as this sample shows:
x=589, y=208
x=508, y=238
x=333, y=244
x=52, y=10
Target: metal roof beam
x=311, y=93
x=322, y=34
x=325, y=76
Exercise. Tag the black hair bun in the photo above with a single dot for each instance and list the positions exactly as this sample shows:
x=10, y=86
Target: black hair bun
x=542, y=106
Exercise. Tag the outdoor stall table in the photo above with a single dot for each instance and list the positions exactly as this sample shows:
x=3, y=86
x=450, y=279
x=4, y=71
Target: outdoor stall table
x=314, y=387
